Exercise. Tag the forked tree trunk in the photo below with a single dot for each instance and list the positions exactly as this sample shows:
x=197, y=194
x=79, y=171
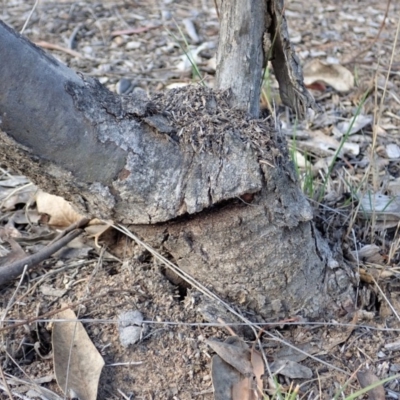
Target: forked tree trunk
x=187, y=171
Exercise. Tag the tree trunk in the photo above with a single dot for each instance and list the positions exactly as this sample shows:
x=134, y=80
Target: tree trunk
x=199, y=179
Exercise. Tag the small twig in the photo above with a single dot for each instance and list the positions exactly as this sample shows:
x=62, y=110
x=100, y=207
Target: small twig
x=354, y=58
x=29, y=17
x=133, y=31
x=227, y=327
x=216, y=9
x=51, y=46
x=386, y=299
x=72, y=38
x=7, y=388
x=11, y=301
x=13, y=270
x=82, y=223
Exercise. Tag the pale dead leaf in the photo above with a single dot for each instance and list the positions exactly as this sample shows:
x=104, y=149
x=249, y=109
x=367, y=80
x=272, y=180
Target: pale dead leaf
x=323, y=145
x=340, y=334
x=212, y=63
x=62, y=214
x=242, y=390
x=75, y=357
x=9, y=231
x=16, y=253
x=392, y=151
x=394, y=187
x=33, y=387
x=14, y=181
x=96, y=230
x=394, y=346
x=353, y=125
x=322, y=164
x=385, y=209
x=367, y=378
x=258, y=369
x=185, y=65
x=25, y=217
x=291, y=353
x=9, y=198
x=299, y=159
x=60, y=211
x=177, y=85
x=335, y=75
x=48, y=290
x=191, y=30
x=369, y=253
x=248, y=388
x=291, y=369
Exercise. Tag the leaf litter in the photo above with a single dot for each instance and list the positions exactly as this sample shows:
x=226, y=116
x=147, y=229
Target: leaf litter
x=115, y=42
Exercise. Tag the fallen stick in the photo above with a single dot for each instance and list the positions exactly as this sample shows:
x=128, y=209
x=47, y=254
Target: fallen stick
x=13, y=270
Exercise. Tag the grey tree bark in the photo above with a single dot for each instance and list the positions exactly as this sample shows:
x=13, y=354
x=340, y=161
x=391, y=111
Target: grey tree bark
x=190, y=171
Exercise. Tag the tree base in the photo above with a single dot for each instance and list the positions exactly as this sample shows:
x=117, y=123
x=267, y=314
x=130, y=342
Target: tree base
x=265, y=255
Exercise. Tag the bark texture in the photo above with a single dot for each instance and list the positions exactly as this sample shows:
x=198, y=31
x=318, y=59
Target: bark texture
x=113, y=156
x=240, y=56
x=202, y=181
x=265, y=255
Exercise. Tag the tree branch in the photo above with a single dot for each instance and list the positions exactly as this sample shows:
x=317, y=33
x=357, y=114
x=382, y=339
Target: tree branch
x=120, y=157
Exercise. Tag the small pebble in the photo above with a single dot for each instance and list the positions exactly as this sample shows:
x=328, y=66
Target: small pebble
x=130, y=318
x=133, y=45
x=130, y=335
x=130, y=327
x=124, y=86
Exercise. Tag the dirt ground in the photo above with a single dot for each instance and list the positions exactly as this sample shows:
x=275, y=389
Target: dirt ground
x=132, y=45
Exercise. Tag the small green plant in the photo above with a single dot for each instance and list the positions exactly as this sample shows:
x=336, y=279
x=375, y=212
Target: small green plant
x=339, y=149
x=186, y=50
x=305, y=176
x=291, y=394
x=308, y=180
x=266, y=90
x=356, y=76
x=364, y=390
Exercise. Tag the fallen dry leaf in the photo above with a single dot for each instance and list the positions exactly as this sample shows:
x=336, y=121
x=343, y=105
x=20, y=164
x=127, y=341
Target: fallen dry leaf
x=236, y=371
x=367, y=378
x=335, y=75
x=258, y=367
x=242, y=390
x=224, y=378
x=369, y=253
x=77, y=363
x=234, y=353
x=10, y=197
x=60, y=211
x=291, y=369
x=384, y=209
x=62, y=215
x=353, y=125
x=323, y=145
x=16, y=253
